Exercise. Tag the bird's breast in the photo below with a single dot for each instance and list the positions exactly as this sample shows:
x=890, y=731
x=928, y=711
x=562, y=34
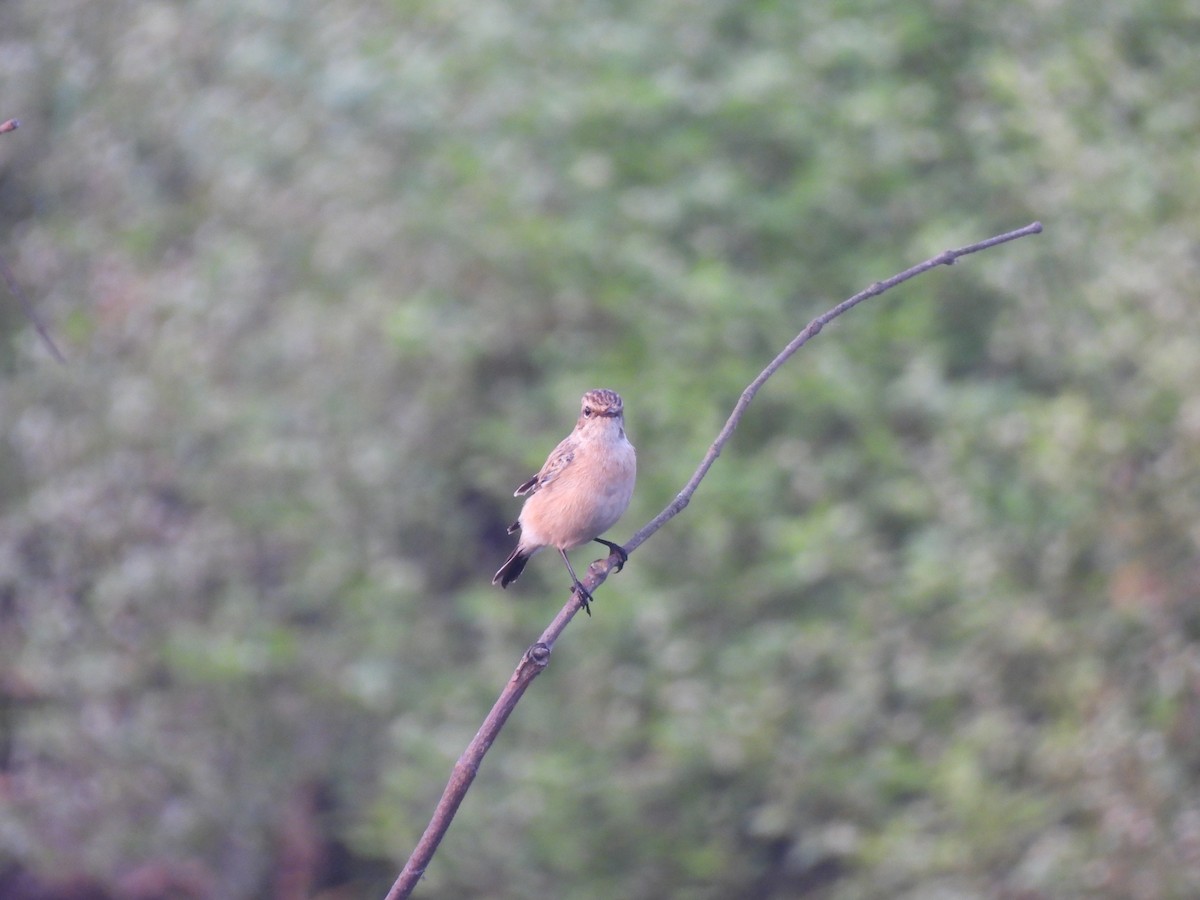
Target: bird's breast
x=587, y=498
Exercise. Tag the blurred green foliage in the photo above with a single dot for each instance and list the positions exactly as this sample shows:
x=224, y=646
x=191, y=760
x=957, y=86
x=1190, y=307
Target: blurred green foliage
x=331, y=278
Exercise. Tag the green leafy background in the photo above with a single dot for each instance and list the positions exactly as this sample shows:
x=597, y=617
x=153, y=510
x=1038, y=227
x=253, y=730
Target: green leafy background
x=331, y=278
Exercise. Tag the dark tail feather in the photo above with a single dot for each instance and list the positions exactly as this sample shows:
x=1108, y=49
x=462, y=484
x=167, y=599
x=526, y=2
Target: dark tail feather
x=513, y=566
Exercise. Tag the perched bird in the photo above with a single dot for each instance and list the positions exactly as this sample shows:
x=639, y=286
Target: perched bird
x=581, y=491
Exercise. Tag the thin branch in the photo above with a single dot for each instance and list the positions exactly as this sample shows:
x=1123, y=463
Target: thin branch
x=15, y=288
x=946, y=258
x=30, y=313
x=537, y=657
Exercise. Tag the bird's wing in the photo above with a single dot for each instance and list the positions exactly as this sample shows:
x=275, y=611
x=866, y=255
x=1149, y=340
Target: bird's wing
x=556, y=463
x=527, y=487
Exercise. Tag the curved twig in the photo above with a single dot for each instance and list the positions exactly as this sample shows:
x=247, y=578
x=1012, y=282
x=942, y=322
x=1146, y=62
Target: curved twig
x=537, y=657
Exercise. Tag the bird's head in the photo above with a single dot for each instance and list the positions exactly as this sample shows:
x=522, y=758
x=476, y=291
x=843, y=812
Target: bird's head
x=599, y=406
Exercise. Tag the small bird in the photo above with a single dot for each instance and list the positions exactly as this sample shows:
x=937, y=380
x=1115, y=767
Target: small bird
x=581, y=491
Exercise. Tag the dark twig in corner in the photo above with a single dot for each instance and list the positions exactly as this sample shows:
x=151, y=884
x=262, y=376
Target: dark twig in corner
x=15, y=288
x=537, y=656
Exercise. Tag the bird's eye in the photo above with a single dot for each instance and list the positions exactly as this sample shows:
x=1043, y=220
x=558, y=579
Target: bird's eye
x=587, y=412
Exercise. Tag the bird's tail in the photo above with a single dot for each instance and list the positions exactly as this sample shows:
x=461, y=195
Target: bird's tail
x=513, y=566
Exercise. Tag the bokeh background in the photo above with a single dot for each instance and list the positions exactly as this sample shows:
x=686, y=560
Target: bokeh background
x=331, y=277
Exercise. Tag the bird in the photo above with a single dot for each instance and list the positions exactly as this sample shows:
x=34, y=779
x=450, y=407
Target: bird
x=582, y=490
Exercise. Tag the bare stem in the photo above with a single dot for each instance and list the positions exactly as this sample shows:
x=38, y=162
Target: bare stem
x=30, y=313
x=15, y=288
x=811, y=330
x=537, y=657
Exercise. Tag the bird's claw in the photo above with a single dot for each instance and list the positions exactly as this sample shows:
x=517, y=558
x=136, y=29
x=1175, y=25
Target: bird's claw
x=585, y=597
x=622, y=556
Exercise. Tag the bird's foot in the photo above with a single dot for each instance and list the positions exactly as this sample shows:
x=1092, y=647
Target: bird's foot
x=585, y=597
x=622, y=556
